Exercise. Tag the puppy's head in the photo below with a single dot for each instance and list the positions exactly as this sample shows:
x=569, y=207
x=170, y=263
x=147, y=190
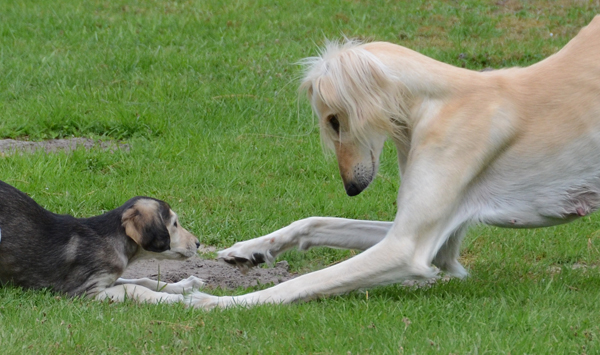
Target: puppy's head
x=155, y=227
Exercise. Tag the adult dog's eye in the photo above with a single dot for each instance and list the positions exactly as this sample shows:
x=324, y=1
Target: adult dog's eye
x=175, y=224
x=335, y=124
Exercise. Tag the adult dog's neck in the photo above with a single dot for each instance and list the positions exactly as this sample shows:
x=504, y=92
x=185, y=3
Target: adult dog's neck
x=422, y=77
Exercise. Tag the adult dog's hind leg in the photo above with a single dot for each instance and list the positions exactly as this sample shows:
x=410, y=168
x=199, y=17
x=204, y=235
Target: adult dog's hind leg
x=183, y=286
x=331, y=232
x=447, y=257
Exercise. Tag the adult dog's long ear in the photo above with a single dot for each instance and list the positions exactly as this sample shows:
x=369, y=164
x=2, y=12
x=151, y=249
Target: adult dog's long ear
x=145, y=224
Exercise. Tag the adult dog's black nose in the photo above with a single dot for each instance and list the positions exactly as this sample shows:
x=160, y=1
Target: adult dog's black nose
x=352, y=189
x=197, y=244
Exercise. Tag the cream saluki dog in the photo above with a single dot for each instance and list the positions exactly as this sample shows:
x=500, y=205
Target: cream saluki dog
x=517, y=147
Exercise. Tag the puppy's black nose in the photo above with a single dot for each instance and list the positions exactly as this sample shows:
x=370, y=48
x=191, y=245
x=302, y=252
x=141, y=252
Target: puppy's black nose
x=197, y=244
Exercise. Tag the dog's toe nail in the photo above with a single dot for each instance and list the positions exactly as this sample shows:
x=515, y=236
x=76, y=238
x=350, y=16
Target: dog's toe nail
x=258, y=258
x=240, y=260
x=230, y=261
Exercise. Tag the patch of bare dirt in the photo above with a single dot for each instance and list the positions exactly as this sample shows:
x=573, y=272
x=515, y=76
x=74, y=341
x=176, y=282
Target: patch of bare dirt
x=12, y=146
x=216, y=274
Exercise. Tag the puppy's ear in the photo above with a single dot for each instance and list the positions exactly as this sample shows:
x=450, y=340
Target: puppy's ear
x=144, y=224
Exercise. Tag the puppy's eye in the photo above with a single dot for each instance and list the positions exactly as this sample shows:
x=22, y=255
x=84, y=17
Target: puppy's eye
x=335, y=124
x=175, y=224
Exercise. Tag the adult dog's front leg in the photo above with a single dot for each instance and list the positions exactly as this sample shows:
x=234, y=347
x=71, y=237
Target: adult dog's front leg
x=430, y=211
x=137, y=293
x=306, y=233
x=389, y=261
x=406, y=252
x=181, y=287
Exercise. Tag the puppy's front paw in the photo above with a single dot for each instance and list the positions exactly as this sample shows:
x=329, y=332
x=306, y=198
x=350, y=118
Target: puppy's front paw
x=201, y=300
x=190, y=284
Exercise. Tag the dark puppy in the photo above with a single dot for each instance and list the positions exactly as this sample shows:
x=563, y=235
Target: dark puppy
x=77, y=256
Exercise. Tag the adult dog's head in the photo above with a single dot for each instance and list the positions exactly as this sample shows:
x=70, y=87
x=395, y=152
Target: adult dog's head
x=155, y=228
x=358, y=105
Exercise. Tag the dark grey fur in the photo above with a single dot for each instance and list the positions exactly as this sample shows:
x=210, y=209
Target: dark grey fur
x=76, y=256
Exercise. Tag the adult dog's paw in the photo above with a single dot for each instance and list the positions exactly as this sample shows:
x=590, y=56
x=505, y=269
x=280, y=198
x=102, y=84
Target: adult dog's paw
x=201, y=300
x=248, y=254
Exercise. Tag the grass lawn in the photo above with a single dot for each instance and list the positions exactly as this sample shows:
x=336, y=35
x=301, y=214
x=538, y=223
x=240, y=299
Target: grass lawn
x=205, y=93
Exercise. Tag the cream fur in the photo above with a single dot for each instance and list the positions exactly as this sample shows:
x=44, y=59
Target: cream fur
x=514, y=148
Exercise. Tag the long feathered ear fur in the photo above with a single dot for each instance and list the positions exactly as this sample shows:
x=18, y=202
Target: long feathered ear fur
x=145, y=224
x=352, y=81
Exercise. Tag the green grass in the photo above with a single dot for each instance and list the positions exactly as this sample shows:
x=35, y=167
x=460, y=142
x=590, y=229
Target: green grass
x=205, y=94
